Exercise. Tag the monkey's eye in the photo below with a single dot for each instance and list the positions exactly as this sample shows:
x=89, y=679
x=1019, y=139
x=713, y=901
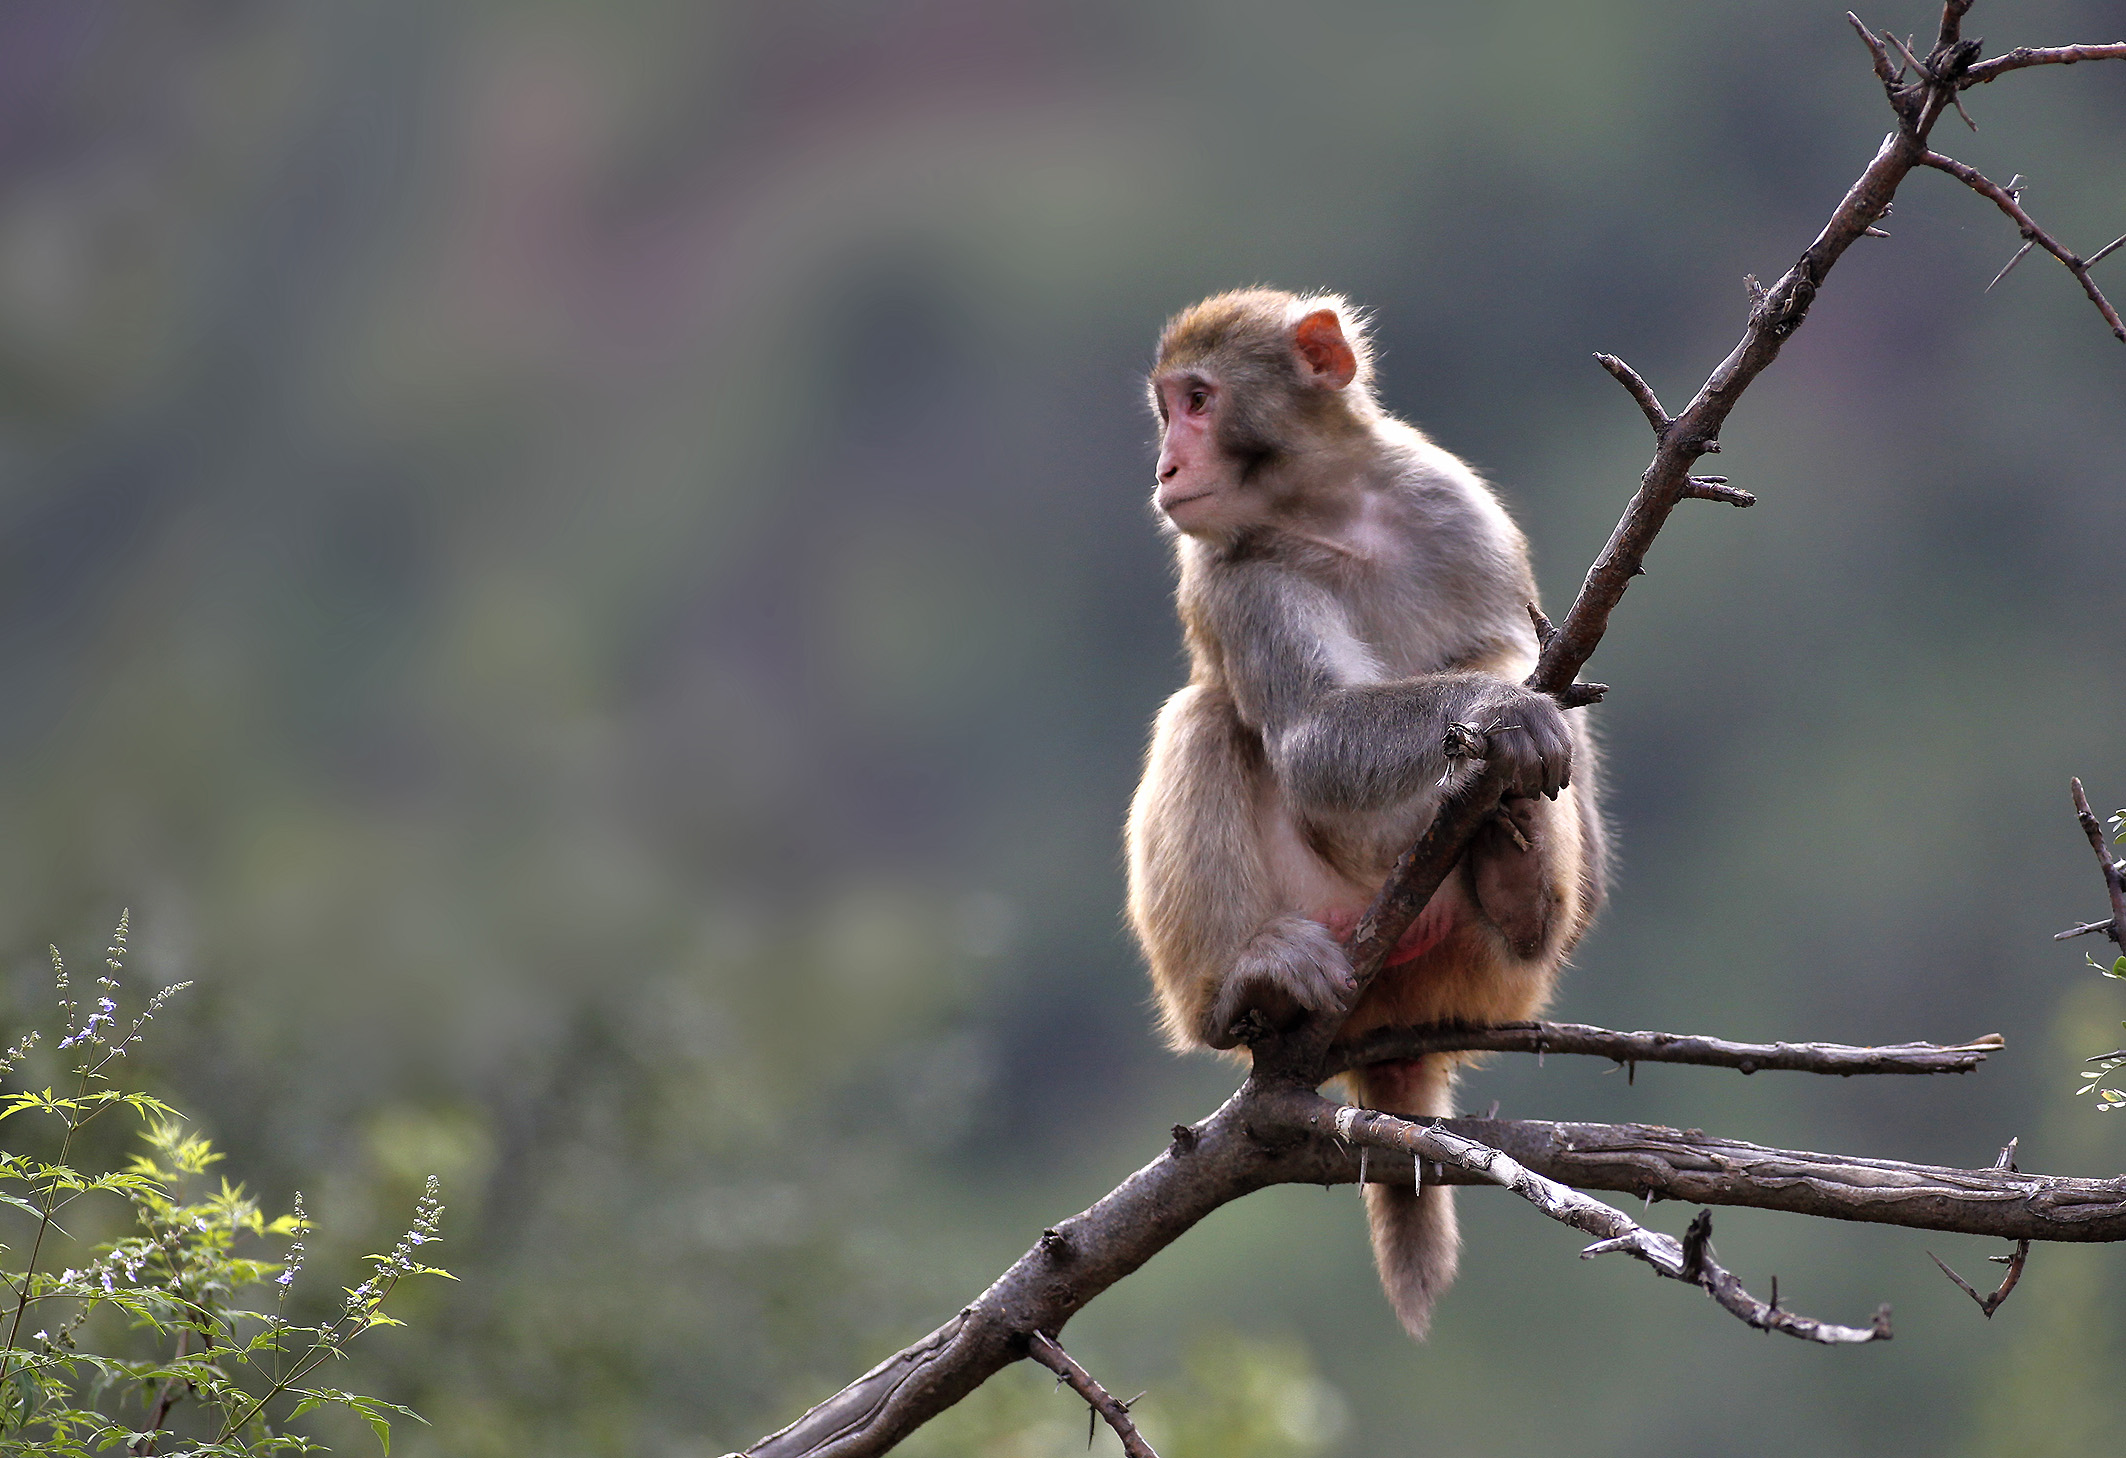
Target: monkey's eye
x=1199, y=400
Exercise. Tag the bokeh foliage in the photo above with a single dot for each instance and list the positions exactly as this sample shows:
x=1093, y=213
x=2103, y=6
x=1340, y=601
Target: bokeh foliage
x=583, y=569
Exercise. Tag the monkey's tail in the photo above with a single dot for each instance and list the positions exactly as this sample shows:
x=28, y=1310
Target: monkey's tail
x=1416, y=1243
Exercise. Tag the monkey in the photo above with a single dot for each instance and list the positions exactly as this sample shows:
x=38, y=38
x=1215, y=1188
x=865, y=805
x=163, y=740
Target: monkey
x=1347, y=590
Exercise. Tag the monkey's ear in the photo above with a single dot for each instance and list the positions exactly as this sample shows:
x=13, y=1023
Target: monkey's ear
x=1323, y=350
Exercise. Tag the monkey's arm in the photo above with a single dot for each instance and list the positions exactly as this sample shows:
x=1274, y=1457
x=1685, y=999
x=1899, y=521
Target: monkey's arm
x=1338, y=734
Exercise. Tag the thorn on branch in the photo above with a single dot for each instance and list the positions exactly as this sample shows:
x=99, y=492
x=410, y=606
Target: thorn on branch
x=1580, y=695
x=1044, y=1349
x=1992, y=1303
x=1871, y=231
x=1185, y=1141
x=1055, y=1244
x=2006, y=1158
x=1715, y=488
x=2020, y=254
x=1642, y=392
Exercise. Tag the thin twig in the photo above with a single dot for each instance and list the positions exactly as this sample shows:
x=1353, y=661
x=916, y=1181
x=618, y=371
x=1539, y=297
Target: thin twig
x=1892, y=75
x=1044, y=1349
x=1690, y=1261
x=2023, y=56
x=2114, y=882
x=1655, y=1047
x=2001, y=198
x=1992, y=1303
x=1642, y=392
x=1715, y=488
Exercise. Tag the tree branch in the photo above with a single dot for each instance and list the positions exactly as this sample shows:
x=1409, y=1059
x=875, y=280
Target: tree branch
x=2114, y=881
x=2032, y=233
x=1579, y=1038
x=1640, y=391
x=1044, y=1349
x=1653, y=1161
x=2023, y=56
x=1690, y=1259
x=1992, y=1303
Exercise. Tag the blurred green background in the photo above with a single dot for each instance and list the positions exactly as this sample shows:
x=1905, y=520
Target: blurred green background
x=584, y=569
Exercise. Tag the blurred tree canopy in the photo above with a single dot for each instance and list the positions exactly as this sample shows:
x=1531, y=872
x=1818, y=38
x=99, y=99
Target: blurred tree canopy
x=584, y=570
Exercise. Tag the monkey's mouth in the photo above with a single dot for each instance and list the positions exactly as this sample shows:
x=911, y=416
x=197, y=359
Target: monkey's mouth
x=1168, y=503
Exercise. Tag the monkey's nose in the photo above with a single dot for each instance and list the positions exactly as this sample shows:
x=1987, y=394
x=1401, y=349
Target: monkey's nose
x=1168, y=473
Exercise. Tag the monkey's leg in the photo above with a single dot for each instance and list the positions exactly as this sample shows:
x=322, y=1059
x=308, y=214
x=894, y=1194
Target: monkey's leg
x=1416, y=1244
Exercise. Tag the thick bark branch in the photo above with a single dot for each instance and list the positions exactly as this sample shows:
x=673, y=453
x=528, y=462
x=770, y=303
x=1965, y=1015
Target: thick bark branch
x=1627, y=1048
x=1689, y=1164
x=1208, y=1165
x=1276, y=1134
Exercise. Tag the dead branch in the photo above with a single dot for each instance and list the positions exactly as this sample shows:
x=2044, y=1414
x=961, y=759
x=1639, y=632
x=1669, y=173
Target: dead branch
x=2023, y=56
x=1046, y=1350
x=1629, y=1048
x=1687, y=1260
x=1640, y=391
x=2114, y=880
x=2032, y=234
x=1992, y=1303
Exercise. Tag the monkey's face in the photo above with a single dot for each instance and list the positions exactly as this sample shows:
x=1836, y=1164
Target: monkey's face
x=1199, y=481
x=1237, y=405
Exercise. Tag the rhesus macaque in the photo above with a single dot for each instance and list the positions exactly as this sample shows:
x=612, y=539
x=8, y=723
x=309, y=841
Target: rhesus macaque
x=1347, y=590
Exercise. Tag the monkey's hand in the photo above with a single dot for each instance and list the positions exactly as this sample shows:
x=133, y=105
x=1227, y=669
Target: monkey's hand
x=1525, y=732
x=1290, y=968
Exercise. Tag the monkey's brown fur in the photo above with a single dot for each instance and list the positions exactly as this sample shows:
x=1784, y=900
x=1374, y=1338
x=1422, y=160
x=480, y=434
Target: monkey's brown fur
x=1347, y=589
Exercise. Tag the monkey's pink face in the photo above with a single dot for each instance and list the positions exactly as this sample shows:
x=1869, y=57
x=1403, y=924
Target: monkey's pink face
x=1197, y=482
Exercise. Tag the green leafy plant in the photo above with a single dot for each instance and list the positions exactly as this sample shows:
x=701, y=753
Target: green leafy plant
x=2098, y=1076
x=143, y=1341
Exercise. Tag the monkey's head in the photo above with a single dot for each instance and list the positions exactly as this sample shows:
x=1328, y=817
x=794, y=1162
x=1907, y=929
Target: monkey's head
x=1247, y=385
